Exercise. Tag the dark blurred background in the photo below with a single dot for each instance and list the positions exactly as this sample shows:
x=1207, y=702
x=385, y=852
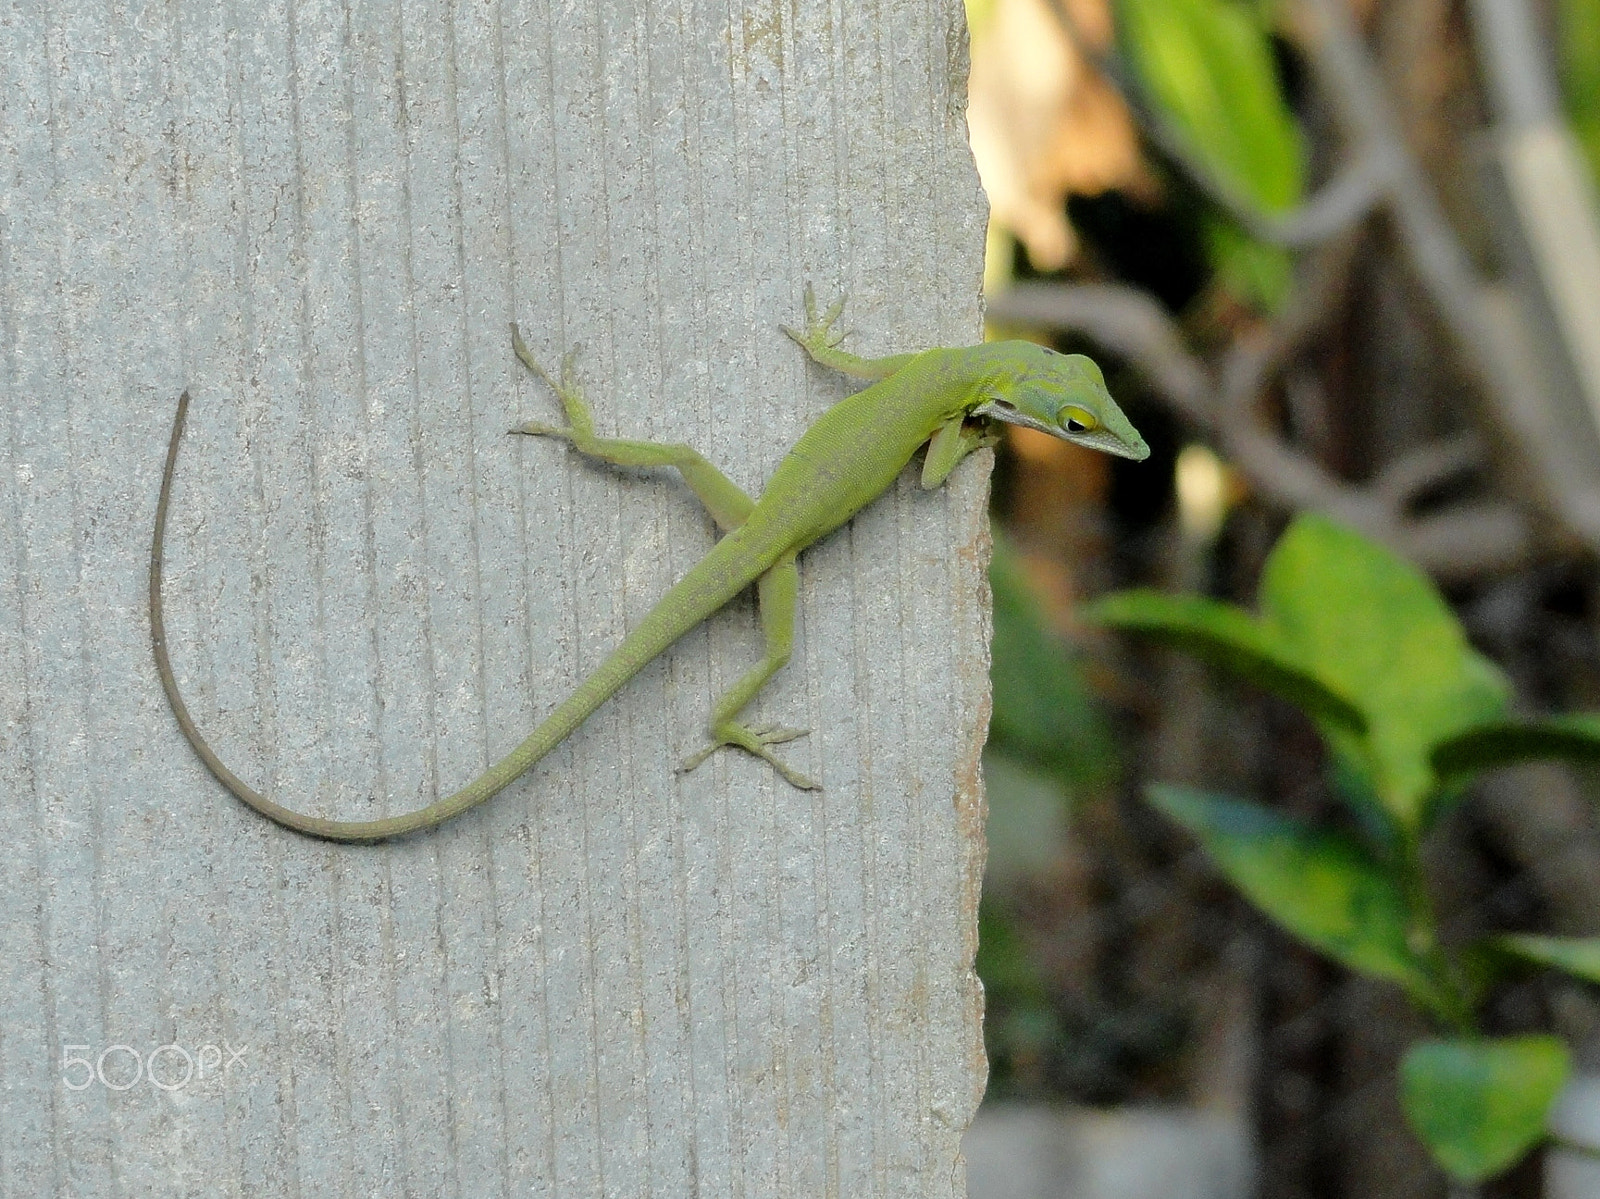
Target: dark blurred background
x=1337, y=256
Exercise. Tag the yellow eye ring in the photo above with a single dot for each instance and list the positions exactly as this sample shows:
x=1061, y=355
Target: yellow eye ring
x=1078, y=420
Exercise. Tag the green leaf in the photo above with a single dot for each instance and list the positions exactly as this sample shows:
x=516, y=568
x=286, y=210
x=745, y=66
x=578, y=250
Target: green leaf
x=1043, y=713
x=1373, y=627
x=1579, y=29
x=1577, y=956
x=1230, y=638
x=1324, y=888
x=1574, y=737
x=1250, y=269
x=1207, y=65
x=1480, y=1104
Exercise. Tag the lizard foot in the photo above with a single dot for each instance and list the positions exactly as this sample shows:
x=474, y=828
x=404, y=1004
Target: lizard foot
x=581, y=429
x=819, y=335
x=755, y=739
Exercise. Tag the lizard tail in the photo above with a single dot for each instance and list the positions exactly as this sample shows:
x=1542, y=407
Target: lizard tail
x=712, y=582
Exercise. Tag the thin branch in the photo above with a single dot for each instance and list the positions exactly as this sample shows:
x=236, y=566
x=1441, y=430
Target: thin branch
x=1514, y=65
x=1125, y=320
x=1486, y=334
x=1511, y=395
x=1413, y=473
x=1566, y=1144
x=1465, y=539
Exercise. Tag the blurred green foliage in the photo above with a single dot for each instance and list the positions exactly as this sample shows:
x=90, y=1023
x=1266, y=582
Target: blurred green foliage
x=1208, y=67
x=979, y=13
x=1043, y=714
x=1366, y=645
x=1048, y=746
x=1345, y=626
x=1577, y=956
x=1354, y=636
x=1480, y=1104
x=1580, y=72
x=1324, y=887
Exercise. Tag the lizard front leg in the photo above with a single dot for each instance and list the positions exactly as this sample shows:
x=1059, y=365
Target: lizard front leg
x=955, y=439
x=821, y=340
x=723, y=498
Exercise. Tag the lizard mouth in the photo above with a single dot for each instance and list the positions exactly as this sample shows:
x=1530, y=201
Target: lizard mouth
x=1003, y=410
x=1101, y=439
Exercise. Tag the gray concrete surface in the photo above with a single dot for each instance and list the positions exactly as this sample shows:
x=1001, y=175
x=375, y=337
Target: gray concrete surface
x=613, y=981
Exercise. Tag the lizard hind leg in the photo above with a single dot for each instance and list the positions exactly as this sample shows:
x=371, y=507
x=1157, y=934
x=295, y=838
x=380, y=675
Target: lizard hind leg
x=777, y=591
x=723, y=498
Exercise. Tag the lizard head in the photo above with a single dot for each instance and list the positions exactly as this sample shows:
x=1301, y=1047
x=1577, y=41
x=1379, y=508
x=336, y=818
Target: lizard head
x=1063, y=395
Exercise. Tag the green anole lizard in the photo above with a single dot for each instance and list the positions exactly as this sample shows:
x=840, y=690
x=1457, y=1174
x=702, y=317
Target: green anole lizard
x=946, y=399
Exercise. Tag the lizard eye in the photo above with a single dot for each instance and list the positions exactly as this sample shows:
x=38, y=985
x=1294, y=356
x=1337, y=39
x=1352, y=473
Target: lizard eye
x=1078, y=420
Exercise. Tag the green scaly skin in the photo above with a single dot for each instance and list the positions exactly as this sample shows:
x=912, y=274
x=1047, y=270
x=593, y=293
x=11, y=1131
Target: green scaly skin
x=949, y=400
